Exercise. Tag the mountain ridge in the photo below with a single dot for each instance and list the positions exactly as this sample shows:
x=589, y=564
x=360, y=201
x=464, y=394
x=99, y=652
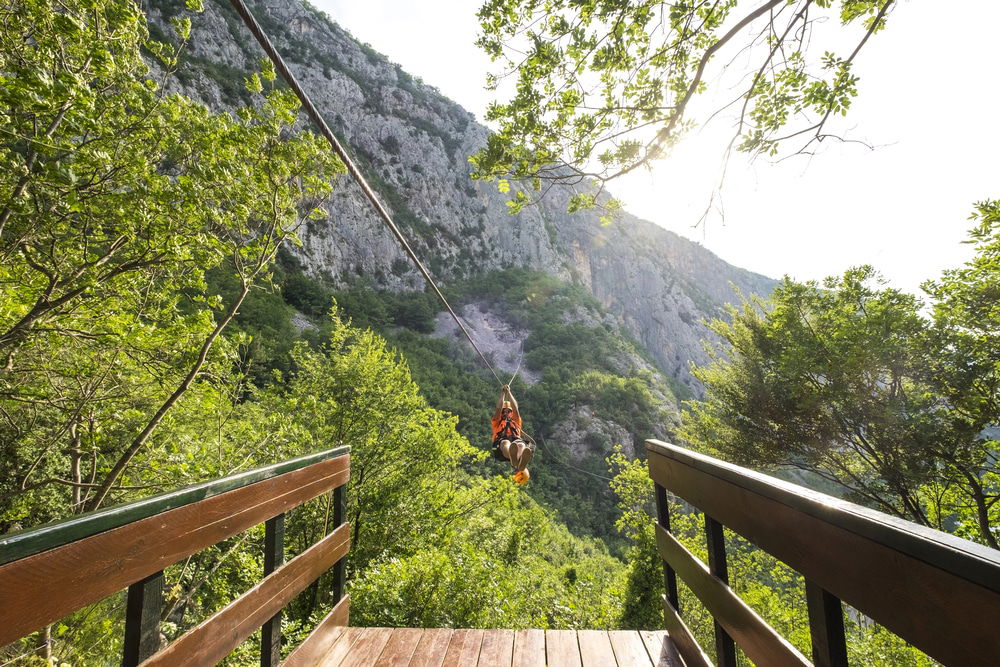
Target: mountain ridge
x=412, y=143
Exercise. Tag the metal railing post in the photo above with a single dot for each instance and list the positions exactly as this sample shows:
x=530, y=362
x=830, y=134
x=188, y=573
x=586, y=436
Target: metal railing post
x=826, y=626
x=143, y=607
x=669, y=576
x=725, y=647
x=339, y=517
x=274, y=556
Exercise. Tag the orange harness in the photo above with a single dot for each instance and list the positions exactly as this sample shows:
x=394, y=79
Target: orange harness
x=506, y=430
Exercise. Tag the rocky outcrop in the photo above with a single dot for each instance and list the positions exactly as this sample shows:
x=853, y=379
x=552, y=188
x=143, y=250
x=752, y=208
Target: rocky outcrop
x=500, y=341
x=413, y=143
x=583, y=434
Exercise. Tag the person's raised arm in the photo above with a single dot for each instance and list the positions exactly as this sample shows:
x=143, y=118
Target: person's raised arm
x=513, y=401
x=503, y=396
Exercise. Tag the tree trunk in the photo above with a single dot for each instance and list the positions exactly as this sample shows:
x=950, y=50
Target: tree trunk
x=982, y=513
x=44, y=650
x=74, y=464
x=144, y=436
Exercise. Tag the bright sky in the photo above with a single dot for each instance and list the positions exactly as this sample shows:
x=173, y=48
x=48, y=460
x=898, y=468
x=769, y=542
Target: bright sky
x=928, y=101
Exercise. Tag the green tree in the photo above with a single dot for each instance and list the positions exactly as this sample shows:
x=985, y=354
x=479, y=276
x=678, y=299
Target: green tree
x=825, y=379
x=847, y=381
x=306, y=295
x=116, y=200
x=503, y=562
x=626, y=401
x=416, y=311
x=965, y=338
x=602, y=88
x=642, y=605
x=355, y=392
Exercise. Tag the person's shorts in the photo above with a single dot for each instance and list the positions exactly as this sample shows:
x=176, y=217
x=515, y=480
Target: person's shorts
x=498, y=455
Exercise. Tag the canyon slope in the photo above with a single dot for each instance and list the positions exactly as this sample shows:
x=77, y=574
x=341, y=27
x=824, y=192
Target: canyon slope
x=413, y=144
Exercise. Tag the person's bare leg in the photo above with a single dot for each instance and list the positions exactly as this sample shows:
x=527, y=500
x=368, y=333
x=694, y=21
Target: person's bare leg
x=505, y=450
x=525, y=457
x=517, y=459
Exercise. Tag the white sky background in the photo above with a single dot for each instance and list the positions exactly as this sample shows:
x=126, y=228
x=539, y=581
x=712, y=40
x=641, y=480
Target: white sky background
x=928, y=100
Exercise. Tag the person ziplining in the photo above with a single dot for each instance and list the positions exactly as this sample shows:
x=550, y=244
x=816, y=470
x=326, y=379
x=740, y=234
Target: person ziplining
x=508, y=437
x=508, y=445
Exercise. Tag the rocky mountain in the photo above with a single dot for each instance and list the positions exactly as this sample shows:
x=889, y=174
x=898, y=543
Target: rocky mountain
x=413, y=144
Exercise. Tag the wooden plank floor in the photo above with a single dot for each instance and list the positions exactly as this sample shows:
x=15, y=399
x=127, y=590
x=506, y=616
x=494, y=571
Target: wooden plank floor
x=402, y=647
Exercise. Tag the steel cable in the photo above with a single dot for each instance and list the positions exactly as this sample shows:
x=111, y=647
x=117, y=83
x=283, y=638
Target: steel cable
x=279, y=63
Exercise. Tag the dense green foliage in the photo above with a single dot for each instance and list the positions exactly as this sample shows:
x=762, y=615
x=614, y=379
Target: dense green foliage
x=853, y=383
x=118, y=200
x=150, y=337
x=506, y=564
x=604, y=87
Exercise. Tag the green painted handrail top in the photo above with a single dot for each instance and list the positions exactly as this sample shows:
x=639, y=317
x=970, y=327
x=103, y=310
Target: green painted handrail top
x=971, y=561
x=24, y=543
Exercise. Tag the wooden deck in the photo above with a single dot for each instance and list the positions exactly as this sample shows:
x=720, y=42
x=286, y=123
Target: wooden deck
x=510, y=648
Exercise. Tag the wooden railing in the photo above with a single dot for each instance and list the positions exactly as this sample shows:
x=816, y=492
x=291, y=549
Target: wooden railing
x=938, y=592
x=50, y=572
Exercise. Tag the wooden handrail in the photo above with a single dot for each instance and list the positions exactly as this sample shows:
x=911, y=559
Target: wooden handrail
x=938, y=592
x=686, y=644
x=17, y=545
x=52, y=571
x=757, y=639
x=217, y=636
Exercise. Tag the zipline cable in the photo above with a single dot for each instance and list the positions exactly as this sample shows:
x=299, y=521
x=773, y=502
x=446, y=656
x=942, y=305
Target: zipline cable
x=518, y=369
x=279, y=63
x=560, y=461
x=352, y=169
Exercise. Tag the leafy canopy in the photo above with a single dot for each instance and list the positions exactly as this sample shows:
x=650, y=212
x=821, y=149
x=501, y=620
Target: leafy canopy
x=116, y=200
x=602, y=87
x=852, y=383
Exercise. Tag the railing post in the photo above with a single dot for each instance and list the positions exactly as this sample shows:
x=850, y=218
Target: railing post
x=669, y=576
x=725, y=648
x=143, y=607
x=274, y=556
x=826, y=625
x=339, y=517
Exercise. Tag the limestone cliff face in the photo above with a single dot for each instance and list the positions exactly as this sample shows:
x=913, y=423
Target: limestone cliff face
x=413, y=143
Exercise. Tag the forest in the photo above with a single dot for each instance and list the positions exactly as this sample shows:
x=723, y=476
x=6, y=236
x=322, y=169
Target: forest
x=157, y=329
